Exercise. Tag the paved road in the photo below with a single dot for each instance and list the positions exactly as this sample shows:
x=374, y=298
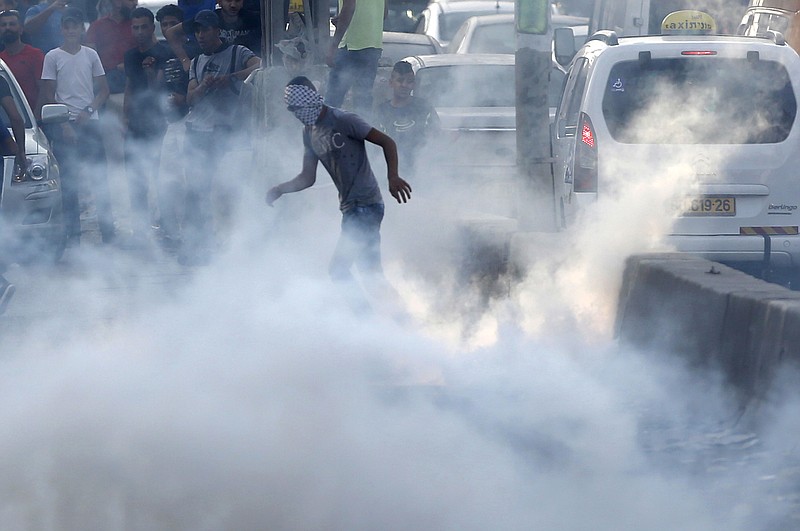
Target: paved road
x=92, y=283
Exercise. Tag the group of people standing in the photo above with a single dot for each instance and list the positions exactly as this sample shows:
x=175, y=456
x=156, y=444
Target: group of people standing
x=193, y=79
x=118, y=76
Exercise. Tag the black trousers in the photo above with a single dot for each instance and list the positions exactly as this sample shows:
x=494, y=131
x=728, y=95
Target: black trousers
x=83, y=169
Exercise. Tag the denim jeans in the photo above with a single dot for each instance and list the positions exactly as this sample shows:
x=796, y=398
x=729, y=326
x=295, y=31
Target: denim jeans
x=359, y=242
x=202, y=151
x=142, y=158
x=356, y=69
x=83, y=165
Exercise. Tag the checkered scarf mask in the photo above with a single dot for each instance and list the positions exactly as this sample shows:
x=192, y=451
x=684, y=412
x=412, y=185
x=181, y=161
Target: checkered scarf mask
x=304, y=102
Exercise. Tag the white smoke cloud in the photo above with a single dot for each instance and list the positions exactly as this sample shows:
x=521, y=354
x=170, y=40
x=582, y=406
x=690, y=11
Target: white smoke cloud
x=249, y=394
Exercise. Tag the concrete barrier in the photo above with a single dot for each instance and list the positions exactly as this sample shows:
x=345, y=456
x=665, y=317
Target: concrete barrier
x=714, y=316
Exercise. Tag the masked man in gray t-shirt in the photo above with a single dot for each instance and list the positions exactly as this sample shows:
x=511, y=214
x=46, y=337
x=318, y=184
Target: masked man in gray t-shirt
x=336, y=138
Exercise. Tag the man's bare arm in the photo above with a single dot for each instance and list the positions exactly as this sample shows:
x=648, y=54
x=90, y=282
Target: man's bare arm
x=175, y=37
x=36, y=22
x=252, y=64
x=398, y=187
x=305, y=179
x=342, y=23
x=17, y=127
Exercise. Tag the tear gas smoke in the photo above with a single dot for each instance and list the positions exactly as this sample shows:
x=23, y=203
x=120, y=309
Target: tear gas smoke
x=250, y=395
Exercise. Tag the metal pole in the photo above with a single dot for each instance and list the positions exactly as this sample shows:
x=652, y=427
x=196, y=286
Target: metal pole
x=534, y=160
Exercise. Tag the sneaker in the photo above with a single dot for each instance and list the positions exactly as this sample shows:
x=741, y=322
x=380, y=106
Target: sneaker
x=7, y=290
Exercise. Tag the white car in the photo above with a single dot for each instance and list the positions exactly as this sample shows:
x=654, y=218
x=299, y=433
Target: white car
x=442, y=18
x=475, y=100
x=496, y=33
x=715, y=114
x=30, y=205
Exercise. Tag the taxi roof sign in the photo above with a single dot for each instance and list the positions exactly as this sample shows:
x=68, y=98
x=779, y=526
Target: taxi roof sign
x=688, y=22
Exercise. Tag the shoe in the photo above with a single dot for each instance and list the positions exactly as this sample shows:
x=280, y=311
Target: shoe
x=7, y=290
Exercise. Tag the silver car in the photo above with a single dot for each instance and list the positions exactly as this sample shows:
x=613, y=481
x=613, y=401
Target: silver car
x=475, y=99
x=30, y=204
x=441, y=19
x=496, y=33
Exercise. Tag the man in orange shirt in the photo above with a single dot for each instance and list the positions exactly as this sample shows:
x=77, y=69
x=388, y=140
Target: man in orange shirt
x=24, y=60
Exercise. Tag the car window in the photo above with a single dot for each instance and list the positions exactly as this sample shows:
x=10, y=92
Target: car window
x=396, y=51
x=555, y=86
x=569, y=109
x=699, y=100
x=450, y=22
x=467, y=85
x=18, y=101
x=402, y=16
x=421, y=24
x=493, y=38
x=759, y=23
x=458, y=38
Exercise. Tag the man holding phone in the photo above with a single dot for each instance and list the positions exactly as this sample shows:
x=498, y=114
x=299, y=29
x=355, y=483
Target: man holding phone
x=43, y=24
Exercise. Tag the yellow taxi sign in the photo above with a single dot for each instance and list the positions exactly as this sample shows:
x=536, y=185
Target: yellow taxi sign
x=688, y=22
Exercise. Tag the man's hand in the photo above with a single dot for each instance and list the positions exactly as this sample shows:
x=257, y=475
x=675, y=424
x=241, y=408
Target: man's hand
x=399, y=189
x=83, y=117
x=21, y=162
x=331, y=56
x=216, y=82
x=176, y=99
x=68, y=133
x=273, y=194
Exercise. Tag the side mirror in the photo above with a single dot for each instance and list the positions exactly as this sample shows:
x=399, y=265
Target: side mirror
x=54, y=113
x=564, y=45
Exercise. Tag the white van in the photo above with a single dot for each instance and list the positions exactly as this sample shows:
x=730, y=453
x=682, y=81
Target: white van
x=718, y=111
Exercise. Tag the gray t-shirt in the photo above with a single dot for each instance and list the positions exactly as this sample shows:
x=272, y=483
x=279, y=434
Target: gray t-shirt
x=219, y=107
x=337, y=140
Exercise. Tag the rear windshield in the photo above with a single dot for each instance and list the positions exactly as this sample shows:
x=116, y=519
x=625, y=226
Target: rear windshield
x=699, y=100
x=467, y=85
x=395, y=51
x=450, y=22
x=477, y=86
x=494, y=38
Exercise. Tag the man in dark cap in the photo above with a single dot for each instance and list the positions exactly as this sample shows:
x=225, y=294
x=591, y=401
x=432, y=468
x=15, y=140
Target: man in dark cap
x=215, y=81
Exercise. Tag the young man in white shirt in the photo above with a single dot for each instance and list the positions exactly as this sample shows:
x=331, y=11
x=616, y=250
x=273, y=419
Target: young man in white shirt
x=73, y=75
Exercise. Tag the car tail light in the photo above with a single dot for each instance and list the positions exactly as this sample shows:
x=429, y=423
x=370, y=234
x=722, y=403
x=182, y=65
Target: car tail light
x=698, y=52
x=585, y=170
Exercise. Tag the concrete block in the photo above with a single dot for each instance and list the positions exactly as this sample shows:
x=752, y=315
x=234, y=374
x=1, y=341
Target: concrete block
x=712, y=315
x=779, y=343
x=753, y=326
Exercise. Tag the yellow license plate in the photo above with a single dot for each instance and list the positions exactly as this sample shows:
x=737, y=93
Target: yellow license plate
x=709, y=205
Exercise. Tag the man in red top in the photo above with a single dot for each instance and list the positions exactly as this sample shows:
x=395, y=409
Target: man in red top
x=111, y=36
x=24, y=60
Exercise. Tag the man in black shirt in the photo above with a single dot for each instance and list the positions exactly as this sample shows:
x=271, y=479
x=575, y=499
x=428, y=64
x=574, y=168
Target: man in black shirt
x=144, y=109
x=407, y=119
x=237, y=26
